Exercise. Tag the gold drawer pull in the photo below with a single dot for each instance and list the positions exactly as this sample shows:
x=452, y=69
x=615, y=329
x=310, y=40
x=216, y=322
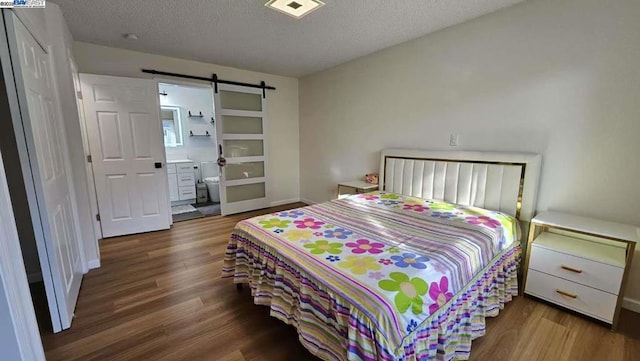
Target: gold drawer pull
x=570, y=269
x=566, y=293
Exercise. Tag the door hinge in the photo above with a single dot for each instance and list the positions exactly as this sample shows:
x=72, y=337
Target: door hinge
x=79, y=94
x=98, y=217
x=89, y=159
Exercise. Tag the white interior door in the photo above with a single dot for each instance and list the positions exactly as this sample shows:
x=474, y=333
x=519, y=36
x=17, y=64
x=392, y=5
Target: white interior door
x=127, y=151
x=50, y=166
x=241, y=128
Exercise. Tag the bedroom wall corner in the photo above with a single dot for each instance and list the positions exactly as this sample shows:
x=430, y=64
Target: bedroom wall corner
x=558, y=78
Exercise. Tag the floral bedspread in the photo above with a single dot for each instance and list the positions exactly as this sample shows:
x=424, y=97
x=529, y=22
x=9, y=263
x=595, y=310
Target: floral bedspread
x=397, y=259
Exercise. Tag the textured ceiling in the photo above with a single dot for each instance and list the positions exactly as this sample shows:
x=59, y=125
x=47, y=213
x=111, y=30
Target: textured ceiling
x=245, y=34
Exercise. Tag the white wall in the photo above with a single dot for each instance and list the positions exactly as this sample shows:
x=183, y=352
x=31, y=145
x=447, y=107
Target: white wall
x=559, y=78
x=194, y=99
x=283, y=131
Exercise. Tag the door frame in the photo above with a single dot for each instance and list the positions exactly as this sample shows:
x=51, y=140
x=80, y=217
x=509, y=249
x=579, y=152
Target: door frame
x=91, y=185
x=194, y=83
x=185, y=83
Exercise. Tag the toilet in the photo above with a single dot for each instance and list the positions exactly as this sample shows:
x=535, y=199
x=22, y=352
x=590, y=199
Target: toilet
x=210, y=178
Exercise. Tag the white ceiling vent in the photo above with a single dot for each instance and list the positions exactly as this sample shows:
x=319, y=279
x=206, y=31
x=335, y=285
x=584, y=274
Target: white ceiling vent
x=295, y=8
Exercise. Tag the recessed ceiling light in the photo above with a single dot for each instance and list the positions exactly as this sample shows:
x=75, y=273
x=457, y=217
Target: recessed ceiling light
x=130, y=36
x=295, y=8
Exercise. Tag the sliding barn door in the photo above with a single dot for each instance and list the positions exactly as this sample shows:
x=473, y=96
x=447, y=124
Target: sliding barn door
x=50, y=166
x=127, y=151
x=241, y=126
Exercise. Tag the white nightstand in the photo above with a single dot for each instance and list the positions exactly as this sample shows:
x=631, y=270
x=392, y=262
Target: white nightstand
x=358, y=186
x=579, y=263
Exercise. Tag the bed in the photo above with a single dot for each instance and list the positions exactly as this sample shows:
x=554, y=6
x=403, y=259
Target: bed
x=409, y=272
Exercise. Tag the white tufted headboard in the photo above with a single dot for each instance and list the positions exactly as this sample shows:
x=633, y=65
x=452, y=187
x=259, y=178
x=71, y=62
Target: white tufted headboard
x=505, y=182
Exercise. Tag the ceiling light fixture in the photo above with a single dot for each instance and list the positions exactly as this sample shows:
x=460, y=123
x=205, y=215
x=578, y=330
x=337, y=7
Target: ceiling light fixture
x=294, y=8
x=130, y=36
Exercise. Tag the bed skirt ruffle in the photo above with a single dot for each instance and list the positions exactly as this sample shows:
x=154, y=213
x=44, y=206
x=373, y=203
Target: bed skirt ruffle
x=332, y=329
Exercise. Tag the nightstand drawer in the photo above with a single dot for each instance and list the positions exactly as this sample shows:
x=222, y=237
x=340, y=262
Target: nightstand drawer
x=587, y=300
x=576, y=269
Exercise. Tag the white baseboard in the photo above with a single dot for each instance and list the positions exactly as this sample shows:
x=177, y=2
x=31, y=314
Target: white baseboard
x=307, y=201
x=631, y=304
x=284, y=201
x=94, y=263
x=34, y=277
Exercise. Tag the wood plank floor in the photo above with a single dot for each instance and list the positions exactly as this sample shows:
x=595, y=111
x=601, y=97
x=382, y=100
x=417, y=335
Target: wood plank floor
x=159, y=296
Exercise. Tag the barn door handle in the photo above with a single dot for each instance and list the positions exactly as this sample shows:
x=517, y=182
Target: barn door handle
x=221, y=161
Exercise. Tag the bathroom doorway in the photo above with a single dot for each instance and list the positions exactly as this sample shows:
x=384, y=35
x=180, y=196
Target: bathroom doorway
x=187, y=114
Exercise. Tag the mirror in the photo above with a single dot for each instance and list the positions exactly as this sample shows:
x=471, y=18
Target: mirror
x=171, y=126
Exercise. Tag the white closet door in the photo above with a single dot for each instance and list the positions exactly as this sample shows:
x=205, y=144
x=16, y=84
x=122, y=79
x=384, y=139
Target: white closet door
x=241, y=128
x=127, y=150
x=48, y=154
